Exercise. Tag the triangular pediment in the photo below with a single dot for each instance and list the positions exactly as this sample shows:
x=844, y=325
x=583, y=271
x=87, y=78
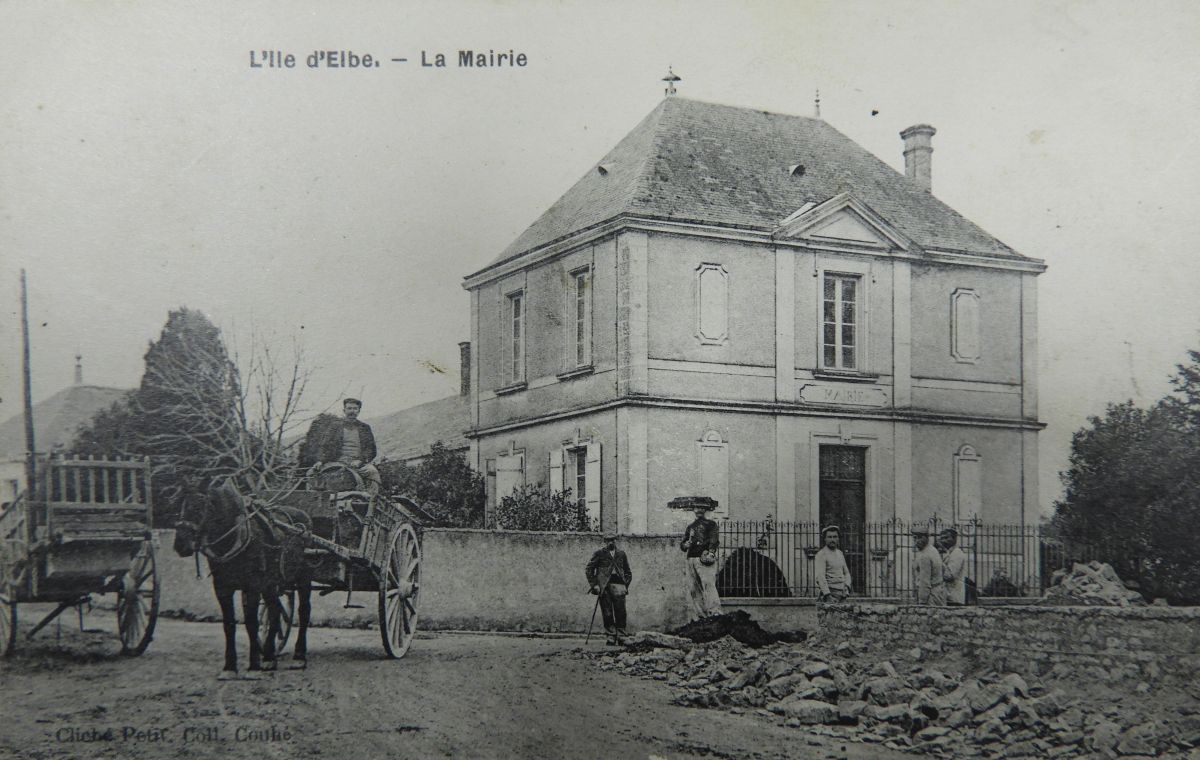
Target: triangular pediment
x=845, y=220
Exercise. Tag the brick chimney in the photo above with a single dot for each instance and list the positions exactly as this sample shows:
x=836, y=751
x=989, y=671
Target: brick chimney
x=464, y=372
x=918, y=152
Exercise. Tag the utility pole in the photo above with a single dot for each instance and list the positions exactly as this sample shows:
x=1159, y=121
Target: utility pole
x=30, y=465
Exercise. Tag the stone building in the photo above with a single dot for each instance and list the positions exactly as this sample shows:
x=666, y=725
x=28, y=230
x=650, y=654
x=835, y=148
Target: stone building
x=750, y=306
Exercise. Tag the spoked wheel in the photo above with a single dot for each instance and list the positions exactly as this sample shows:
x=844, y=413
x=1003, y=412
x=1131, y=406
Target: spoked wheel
x=137, y=602
x=399, y=586
x=287, y=613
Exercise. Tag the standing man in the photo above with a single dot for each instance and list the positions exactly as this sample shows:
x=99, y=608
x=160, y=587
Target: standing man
x=928, y=570
x=608, y=575
x=954, y=567
x=700, y=541
x=351, y=443
x=830, y=568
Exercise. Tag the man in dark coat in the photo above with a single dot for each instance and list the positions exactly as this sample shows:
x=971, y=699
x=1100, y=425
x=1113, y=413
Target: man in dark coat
x=608, y=575
x=351, y=442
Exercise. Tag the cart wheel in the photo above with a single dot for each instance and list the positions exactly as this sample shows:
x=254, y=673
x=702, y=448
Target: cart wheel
x=287, y=613
x=137, y=602
x=399, y=586
x=8, y=621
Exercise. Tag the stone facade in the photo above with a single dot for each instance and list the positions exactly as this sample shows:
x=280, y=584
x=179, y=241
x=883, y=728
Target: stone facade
x=1127, y=644
x=676, y=326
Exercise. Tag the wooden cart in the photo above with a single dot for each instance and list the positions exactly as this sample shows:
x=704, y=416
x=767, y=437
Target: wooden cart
x=85, y=530
x=359, y=543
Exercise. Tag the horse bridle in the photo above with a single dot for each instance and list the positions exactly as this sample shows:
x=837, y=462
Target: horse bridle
x=240, y=531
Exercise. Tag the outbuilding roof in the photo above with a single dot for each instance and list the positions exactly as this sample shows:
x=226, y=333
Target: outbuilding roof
x=738, y=167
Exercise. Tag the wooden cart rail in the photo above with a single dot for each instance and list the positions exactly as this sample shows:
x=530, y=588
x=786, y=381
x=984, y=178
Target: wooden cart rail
x=94, y=499
x=84, y=530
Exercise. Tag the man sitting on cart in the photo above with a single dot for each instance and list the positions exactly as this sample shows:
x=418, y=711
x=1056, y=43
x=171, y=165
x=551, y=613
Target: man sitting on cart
x=352, y=443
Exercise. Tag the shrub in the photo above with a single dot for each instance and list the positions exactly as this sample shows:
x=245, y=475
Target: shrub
x=535, y=507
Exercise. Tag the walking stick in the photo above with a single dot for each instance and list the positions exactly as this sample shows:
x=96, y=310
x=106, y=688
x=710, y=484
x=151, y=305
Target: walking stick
x=603, y=588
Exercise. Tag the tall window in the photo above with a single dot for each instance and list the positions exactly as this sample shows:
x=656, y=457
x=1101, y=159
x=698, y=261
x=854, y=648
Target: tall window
x=579, y=465
x=840, y=337
x=516, y=314
x=581, y=318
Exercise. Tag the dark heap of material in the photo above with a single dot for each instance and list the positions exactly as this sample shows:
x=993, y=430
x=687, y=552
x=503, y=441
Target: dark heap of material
x=737, y=624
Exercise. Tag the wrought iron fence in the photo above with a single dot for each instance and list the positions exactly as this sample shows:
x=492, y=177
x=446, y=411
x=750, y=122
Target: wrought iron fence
x=776, y=559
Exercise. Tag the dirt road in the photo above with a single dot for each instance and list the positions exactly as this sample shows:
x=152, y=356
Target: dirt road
x=454, y=695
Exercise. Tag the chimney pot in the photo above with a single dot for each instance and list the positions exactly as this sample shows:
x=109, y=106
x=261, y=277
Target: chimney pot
x=464, y=372
x=918, y=154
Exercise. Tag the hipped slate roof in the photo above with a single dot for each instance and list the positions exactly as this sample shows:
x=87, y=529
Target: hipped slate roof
x=57, y=419
x=722, y=165
x=409, y=433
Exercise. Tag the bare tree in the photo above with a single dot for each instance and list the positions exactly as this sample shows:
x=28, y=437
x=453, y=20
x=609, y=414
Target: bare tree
x=201, y=412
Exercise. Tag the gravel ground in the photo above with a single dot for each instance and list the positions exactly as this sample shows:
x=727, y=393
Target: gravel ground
x=453, y=695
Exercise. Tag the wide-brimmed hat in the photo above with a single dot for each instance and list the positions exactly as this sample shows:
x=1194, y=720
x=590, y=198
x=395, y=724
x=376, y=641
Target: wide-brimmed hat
x=692, y=503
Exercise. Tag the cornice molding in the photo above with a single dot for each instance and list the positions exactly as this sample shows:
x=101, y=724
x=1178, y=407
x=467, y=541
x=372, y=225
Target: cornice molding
x=765, y=407
x=763, y=237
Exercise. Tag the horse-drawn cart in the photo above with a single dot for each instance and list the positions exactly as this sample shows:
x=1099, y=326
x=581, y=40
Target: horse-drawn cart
x=358, y=542
x=84, y=530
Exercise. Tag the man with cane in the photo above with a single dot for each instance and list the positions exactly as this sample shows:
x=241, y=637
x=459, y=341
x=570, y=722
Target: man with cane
x=609, y=576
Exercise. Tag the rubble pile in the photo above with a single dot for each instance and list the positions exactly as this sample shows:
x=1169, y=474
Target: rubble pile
x=1095, y=583
x=909, y=707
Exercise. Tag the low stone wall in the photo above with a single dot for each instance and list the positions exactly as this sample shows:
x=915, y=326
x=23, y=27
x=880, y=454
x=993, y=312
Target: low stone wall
x=534, y=581
x=483, y=580
x=1099, y=643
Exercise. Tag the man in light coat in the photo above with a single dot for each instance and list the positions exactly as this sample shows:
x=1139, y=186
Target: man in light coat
x=928, y=570
x=954, y=567
x=830, y=568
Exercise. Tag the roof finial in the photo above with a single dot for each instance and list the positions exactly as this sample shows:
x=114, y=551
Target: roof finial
x=78, y=368
x=817, y=104
x=671, y=78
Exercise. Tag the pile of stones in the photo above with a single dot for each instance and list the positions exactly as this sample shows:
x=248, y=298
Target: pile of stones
x=910, y=707
x=1095, y=583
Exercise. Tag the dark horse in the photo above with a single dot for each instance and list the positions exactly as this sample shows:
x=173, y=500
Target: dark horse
x=247, y=552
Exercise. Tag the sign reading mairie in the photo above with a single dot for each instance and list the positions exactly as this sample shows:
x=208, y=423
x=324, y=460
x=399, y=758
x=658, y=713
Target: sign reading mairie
x=843, y=395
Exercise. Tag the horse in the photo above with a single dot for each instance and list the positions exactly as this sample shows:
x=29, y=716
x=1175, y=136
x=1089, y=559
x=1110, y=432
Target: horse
x=246, y=552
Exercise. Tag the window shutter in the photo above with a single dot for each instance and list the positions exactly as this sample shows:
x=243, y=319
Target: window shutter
x=510, y=473
x=593, y=483
x=556, y=470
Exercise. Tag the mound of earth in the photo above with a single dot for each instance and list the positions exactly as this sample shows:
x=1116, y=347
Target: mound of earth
x=738, y=625
x=1095, y=583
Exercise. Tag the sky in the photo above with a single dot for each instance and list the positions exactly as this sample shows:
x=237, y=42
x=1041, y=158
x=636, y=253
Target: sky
x=145, y=165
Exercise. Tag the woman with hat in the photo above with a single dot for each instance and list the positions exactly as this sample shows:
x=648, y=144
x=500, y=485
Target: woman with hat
x=700, y=541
